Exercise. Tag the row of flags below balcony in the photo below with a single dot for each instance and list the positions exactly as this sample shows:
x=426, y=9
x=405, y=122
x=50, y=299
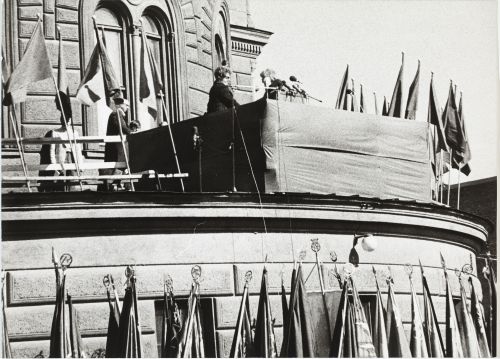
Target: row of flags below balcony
x=352, y=336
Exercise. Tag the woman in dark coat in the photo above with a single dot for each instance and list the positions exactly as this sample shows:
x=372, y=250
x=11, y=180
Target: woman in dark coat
x=221, y=97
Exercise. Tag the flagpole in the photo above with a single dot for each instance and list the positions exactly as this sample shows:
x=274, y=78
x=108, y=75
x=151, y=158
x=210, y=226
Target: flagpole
x=172, y=139
x=20, y=147
x=441, y=176
x=70, y=137
x=376, y=107
x=119, y=117
x=458, y=193
x=449, y=177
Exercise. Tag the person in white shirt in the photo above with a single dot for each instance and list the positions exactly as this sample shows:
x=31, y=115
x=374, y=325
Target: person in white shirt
x=61, y=153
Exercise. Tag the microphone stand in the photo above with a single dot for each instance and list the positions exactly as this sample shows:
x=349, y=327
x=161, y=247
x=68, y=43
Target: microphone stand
x=233, y=153
x=197, y=142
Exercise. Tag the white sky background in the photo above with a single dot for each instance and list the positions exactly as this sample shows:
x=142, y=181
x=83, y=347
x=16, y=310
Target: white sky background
x=456, y=39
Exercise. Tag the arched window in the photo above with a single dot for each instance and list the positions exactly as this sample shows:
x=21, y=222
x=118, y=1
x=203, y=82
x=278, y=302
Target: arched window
x=220, y=35
x=219, y=49
x=160, y=38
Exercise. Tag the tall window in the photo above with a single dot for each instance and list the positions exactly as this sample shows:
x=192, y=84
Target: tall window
x=219, y=49
x=123, y=44
x=220, y=33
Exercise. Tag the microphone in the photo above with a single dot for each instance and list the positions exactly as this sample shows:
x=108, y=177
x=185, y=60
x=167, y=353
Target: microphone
x=294, y=79
x=286, y=86
x=196, y=138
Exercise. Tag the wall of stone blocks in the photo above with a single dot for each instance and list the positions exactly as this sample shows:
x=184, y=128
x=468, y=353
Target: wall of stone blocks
x=39, y=115
x=224, y=258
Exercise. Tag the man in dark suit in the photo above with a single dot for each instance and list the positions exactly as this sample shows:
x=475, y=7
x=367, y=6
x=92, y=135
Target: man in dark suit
x=221, y=97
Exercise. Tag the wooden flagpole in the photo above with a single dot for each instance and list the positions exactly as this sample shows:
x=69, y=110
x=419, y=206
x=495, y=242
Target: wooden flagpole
x=458, y=192
x=441, y=176
x=449, y=177
x=172, y=139
x=20, y=148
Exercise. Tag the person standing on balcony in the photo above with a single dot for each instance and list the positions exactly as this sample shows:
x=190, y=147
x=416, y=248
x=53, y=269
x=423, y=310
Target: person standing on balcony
x=61, y=153
x=221, y=97
x=113, y=152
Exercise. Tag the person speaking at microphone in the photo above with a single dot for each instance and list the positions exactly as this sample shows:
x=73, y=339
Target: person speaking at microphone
x=273, y=84
x=221, y=96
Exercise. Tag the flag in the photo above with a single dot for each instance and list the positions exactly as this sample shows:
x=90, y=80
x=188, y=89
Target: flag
x=468, y=335
x=191, y=345
x=242, y=339
x=287, y=314
x=464, y=165
x=418, y=344
x=130, y=335
x=479, y=322
x=361, y=99
x=6, y=351
x=364, y=344
x=453, y=342
x=299, y=340
x=62, y=84
x=385, y=110
x=379, y=334
x=76, y=344
x=150, y=86
x=489, y=274
x=341, y=98
x=99, y=80
x=33, y=67
x=354, y=103
x=396, y=338
x=430, y=323
x=112, y=338
x=284, y=306
x=396, y=105
x=264, y=340
x=376, y=105
x=452, y=128
x=411, y=104
x=339, y=332
x=171, y=324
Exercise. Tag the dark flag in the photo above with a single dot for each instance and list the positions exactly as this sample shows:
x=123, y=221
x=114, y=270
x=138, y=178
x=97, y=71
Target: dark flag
x=434, y=118
x=33, y=67
x=171, y=325
x=379, y=334
x=76, y=344
x=468, y=335
x=396, y=105
x=430, y=323
x=396, y=338
x=130, y=334
x=453, y=342
x=364, y=344
x=242, y=345
x=361, y=99
x=264, y=340
x=489, y=274
x=299, y=340
x=6, y=351
x=479, y=322
x=99, y=79
x=464, y=165
x=354, y=103
x=339, y=332
x=418, y=344
x=342, y=96
x=191, y=345
x=411, y=105
x=453, y=130
x=385, y=109
x=284, y=306
x=112, y=339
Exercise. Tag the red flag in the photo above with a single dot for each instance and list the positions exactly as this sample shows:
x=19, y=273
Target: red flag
x=411, y=105
x=379, y=334
x=418, y=345
x=354, y=103
x=430, y=323
x=464, y=164
x=33, y=67
x=361, y=100
x=453, y=342
x=385, y=106
x=99, y=80
x=264, y=340
x=395, y=108
x=364, y=344
x=479, y=322
x=397, y=342
x=341, y=98
x=337, y=348
x=468, y=335
x=453, y=130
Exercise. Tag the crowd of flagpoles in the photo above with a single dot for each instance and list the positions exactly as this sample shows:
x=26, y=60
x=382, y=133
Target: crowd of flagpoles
x=467, y=332
x=448, y=143
x=99, y=82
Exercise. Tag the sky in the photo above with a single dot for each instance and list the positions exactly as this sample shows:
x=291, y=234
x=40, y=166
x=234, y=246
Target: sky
x=314, y=40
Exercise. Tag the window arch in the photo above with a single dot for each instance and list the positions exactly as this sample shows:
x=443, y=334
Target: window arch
x=221, y=42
